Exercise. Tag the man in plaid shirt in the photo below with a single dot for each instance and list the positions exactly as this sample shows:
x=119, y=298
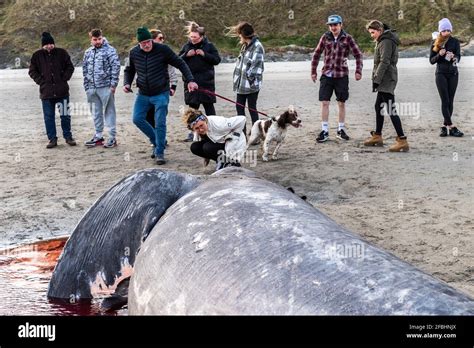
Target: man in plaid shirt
x=335, y=44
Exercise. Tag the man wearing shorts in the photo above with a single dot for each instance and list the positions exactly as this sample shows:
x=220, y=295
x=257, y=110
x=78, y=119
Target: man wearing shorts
x=335, y=44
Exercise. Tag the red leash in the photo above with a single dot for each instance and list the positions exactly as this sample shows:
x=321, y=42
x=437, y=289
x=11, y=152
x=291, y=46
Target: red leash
x=229, y=100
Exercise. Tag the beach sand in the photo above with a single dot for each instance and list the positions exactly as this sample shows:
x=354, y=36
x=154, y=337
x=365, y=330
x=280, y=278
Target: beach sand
x=418, y=205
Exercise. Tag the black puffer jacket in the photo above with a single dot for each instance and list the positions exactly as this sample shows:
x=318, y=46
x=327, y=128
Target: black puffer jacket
x=51, y=71
x=152, y=69
x=443, y=66
x=202, y=68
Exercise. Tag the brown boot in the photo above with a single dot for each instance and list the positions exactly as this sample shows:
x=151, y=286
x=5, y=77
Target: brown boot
x=52, y=143
x=401, y=145
x=71, y=141
x=374, y=140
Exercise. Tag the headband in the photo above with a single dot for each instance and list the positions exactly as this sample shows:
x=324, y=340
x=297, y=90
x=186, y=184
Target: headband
x=200, y=118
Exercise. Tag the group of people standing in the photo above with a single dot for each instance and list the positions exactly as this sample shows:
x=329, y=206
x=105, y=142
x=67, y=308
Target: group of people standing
x=153, y=65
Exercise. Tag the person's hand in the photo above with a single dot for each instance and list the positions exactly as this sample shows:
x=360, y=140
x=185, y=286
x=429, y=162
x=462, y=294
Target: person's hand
x=191, y=53
x=375, y=86
x=112, y=90
x=314, y=77
x=358, y=76
x=442, y=52
x=449, y=55
x=172, y=92
x=127, y=89
x=200, y=52
x=192, y=86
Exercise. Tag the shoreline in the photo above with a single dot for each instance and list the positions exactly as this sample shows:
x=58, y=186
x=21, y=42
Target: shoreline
x=291, y=53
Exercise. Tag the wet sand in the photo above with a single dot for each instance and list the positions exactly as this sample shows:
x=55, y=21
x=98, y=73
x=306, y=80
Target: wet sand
x=418, y=205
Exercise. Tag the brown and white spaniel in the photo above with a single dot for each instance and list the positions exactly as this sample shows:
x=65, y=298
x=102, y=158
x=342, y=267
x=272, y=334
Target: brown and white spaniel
x=273, y=129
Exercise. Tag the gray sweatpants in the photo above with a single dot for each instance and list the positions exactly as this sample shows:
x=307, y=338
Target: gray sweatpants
x=102, y=105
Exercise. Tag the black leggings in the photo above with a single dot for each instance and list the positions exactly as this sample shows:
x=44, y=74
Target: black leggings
x=388, y=100
x=208, y=107
x=447, y=84
x=252, y=103
x=207, y=149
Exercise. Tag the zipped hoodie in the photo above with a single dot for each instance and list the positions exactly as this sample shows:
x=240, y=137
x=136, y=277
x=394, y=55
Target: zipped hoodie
x=101, y=66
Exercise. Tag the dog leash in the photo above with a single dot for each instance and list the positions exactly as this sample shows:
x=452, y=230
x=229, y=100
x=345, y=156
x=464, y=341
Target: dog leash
x=202, y=90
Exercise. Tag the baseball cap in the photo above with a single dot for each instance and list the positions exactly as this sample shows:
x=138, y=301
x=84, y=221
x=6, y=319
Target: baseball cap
x=334, y=19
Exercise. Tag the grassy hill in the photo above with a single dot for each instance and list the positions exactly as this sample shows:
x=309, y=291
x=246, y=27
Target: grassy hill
x=278, y=23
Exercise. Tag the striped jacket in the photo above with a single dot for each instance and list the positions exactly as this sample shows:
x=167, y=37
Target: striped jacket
x=336, y=54
x=248, y=72
x=101, y=67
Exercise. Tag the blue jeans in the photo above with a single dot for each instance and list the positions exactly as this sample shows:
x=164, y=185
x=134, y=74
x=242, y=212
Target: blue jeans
x=50, y=119
x=156, y=135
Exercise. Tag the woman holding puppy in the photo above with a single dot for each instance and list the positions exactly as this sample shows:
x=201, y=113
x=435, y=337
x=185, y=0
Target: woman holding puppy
x=446, y=53
x=218, y=138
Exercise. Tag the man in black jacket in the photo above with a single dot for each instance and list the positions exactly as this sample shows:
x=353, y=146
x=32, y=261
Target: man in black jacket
x=149, y=61
x=51, y=68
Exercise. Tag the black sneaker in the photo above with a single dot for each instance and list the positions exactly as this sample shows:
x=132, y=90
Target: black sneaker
x=52, y=143
x=160, y=160
x=95, y=141
x=454, y=132
x=112, y=142
x=341, y=134
x=444, y=132
x=322, y=137
x=219, y=165
x=153, y=153
x=189, y=138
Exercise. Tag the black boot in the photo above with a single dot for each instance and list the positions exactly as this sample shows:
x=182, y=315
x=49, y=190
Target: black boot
x=444, y=132
x=454, y=132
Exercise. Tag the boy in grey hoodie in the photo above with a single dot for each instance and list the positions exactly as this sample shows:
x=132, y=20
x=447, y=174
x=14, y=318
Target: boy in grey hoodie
x=101, y=70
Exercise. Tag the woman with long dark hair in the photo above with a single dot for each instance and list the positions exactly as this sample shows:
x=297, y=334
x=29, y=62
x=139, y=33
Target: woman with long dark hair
x=248, y=72
x=384, y=82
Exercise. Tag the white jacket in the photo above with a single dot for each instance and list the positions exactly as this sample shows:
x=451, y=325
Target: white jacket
x=228, y=130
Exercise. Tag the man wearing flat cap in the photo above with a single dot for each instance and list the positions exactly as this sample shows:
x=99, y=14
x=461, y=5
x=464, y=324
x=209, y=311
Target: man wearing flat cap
x=149, y=61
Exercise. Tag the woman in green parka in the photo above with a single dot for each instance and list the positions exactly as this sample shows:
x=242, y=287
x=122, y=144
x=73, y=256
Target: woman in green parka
x=384, y=81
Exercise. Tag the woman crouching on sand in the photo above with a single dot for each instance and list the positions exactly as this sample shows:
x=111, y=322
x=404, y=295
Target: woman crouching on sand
x=217, y=138
x=384, y=81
